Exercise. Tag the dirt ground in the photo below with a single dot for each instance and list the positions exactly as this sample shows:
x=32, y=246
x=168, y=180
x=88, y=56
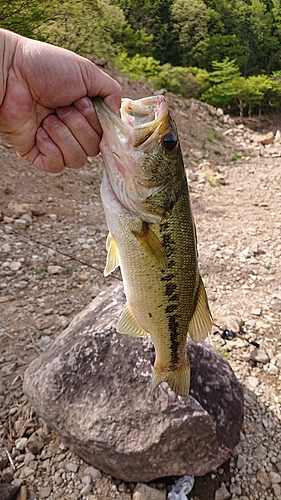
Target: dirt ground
x=236, y=201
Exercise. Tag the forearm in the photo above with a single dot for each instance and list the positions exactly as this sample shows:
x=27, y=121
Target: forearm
x=8, y=43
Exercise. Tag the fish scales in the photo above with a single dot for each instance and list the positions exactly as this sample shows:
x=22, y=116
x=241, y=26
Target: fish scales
x=154, y=242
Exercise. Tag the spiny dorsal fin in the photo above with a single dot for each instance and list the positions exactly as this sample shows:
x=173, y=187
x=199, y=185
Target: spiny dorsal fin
x=128, y=324
x=201, y=322
x=112, y=259
x=151, y=244
x=178, y=380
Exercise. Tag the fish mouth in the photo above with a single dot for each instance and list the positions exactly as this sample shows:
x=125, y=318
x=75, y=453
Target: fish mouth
x=126, y=142
x=139, y=120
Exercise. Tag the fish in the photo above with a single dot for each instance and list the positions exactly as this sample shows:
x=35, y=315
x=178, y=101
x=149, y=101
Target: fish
x=152, y=234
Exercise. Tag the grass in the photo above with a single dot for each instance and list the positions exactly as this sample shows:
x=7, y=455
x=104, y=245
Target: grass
x=236, y=157
x=39, y=270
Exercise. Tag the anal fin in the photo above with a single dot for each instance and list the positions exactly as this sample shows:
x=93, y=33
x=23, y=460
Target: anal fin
x=201, y=322
x=178, y=380
x=112, y=259
x=128, y=325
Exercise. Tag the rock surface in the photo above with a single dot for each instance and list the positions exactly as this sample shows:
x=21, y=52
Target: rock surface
x=93, y=387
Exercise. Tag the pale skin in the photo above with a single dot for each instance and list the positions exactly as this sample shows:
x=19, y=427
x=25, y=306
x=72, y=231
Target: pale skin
x=46, y=112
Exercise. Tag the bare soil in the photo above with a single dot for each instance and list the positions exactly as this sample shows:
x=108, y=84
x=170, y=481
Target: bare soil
x=236, y=204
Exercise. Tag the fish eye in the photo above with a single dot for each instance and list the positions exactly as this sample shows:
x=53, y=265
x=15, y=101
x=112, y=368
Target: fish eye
x=170, y=141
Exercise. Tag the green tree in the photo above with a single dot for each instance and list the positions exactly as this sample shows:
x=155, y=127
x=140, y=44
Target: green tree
x=190, y=20
x=25, y=17
x=99, y=34
x=218, y=47
x=224, y=71
x=153, y=16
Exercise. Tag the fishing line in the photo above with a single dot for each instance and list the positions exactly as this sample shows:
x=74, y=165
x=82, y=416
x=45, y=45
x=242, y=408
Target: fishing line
x=56, y=250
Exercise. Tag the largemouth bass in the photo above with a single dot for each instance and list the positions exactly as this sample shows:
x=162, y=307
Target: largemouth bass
x=152, y=235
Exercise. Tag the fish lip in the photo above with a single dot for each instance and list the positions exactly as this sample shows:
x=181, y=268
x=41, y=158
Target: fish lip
x=125, y=142
x=134, y=125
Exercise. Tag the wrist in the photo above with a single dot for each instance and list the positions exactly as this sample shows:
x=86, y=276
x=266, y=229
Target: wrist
x=8, y=43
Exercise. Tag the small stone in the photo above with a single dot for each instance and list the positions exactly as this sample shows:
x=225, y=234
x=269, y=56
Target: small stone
x=83, y=277
x=8, y=220
x=22, y=494
x=27, y=218
x=241, y=462
x=37, y=210
x=263, y=479
x=3, y=300
x=86, y=480
x=93, y=472
x=15, y=266
x=259, y=355
x=6, y=248
x=214, y=247
x=144, y=492
x=28, y=458
x=72, y=467
x=54, y=270
x=45, y=492
x=21, y=443
x=267, y=138
x=7, y=475
x=34, y=444
x=86, y=490
x=272, y=369
x=28, y=471
x=190, y=175
x=222, y=494
x=20, y=223
x=274, y=477
x=235, y=489
x=276, y=489
x=252, y=383
x=248, y=252
x=256, y=312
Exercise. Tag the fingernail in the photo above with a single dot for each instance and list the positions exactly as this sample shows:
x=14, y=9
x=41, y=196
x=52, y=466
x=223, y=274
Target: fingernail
x=50, y=120
x=83, y=104
x=42, y=133
x=64, y=110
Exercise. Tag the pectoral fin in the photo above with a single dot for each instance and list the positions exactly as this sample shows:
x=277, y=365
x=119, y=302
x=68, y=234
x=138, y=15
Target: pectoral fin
x=128, y=324
x=201, y=322
x=151, y=244
x=112, y=260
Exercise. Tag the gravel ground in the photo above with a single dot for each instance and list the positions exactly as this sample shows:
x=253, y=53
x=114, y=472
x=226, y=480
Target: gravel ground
x=235, y=191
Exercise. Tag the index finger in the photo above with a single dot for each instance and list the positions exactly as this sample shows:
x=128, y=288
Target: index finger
x=102, y=85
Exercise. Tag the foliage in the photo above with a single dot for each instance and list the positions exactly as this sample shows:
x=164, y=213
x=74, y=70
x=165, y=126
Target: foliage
x=75, y=29
x=190, y=19
x=226, y=52
x=26, y=17
x=251, y=93
x=189, y=82
x=224, y=71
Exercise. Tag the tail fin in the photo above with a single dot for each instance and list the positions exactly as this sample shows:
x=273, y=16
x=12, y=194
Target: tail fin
x=177, y=380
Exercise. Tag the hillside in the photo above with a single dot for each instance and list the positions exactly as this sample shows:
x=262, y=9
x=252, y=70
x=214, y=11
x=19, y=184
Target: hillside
x=235, y=190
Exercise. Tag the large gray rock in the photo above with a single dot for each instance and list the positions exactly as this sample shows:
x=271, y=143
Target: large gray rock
x=93, y=387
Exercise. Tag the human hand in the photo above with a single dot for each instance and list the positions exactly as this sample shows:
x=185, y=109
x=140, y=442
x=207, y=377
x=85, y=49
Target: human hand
x=46, y=112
